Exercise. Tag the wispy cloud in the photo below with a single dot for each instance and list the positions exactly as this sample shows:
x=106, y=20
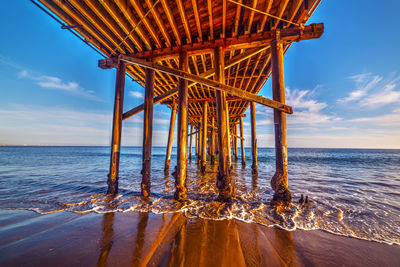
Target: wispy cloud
x=373, y=90
x=364, y=83
x=136, y=94
x=390, y=120
x=52, y=82
x=306, y=109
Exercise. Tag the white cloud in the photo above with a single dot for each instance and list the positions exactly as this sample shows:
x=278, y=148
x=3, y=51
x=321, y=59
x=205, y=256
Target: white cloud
x=373, y=91
x=136, y=94
x=306, y=109
x=364, y=83
x=51, y=82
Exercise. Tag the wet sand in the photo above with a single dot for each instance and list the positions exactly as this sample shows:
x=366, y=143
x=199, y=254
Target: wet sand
x=140, y=239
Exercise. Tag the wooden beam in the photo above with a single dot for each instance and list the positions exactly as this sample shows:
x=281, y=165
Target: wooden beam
x=204, y=137
x=159, y=22
x=192, y=133
x=250, y=19
x=279, y=181
x=182, y=13
x=311, y=31
x=172, y=22
x=147, y=132
x=170, y=137
x=210, y=19
x=214, y=116
x=112, y=63
x=254, y=166
x=141, y=13
x=242, y=142
x=197, y=19
x=219, y=86
x=180, y=178
x=116, y=132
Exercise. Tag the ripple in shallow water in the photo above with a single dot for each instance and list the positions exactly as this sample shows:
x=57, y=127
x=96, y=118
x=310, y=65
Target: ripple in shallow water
x=350, y=195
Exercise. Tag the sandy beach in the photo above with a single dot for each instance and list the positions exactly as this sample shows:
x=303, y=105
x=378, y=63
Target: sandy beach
x=140, y=239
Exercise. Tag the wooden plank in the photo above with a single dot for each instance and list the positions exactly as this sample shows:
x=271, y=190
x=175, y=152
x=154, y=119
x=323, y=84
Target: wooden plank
x=279, y=181
x=268, y=5
x=182, y=13
x=170, y=137
x=141, y=13
x=147, y=132
x=197, y=19
x=311, y=31
x=159, y=22
x=116, y=132
x=210, y=83
x=172, y=22
x=251, y=17
x=180, y=179
x=210, y=20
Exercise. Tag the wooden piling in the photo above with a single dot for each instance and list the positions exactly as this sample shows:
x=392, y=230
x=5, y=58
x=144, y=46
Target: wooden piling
x=204, y=138
x=180, y=180
x=190, y=142
x=147, y=132
x=170, y=137
x=235, y=141
x=223, y=176
x=279, y=181
x=112, y=180
x=254, y=166
x=212, y=141
x=242, y=141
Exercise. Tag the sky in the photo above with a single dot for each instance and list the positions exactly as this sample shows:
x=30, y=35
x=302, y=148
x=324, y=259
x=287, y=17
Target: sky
x=344, y=87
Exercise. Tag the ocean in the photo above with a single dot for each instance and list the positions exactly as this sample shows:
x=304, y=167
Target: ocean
x=352, y=192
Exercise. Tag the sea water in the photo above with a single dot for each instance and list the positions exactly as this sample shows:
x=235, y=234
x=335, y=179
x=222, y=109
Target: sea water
x=352, y=192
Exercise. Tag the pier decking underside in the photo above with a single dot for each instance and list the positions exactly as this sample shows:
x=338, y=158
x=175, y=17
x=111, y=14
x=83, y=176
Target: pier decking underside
x=158, y=30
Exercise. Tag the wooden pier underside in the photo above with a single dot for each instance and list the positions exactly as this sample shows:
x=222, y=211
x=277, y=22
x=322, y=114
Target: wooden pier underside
x=197, y=26
x=155, y=36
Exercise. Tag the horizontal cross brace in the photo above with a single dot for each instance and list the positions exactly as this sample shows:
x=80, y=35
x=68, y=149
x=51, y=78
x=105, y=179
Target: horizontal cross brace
x=210, y=83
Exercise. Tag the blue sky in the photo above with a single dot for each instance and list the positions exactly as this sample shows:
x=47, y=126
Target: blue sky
x=344, y=87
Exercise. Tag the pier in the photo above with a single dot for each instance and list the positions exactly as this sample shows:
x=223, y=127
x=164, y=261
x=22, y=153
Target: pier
x=207, y=61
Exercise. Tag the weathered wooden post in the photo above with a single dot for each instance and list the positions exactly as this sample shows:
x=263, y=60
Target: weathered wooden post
x=242, y=142
x=180, y=180
x=212, y=141
x=223, y=176
x=254, y=166
x=200, y=143
x=279, y=181
x=204, y=138
x=190, y=142
x=147, y=132
x=197, y=141
x=112, y=180
x=235, y=141
x=170, y=136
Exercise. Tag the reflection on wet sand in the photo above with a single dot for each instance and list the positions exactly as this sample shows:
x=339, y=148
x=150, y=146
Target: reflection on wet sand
x=197, y=242
x=107, y=239
x=171, y=239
